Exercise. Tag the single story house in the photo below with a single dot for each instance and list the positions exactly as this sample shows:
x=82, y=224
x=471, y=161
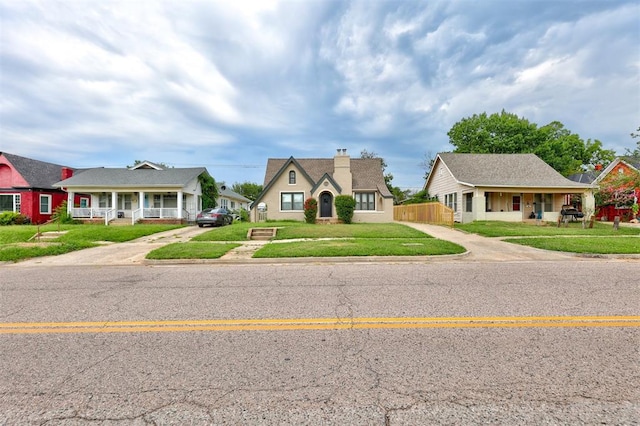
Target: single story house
x=146, y=192
x=505, y=187
x=27, y=187
x=289, y=182
x=231, y=200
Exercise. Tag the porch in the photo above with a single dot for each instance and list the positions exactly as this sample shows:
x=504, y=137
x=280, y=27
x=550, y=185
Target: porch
x=138, y=206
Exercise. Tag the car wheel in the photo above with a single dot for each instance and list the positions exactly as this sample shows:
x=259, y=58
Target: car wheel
x=200, y=225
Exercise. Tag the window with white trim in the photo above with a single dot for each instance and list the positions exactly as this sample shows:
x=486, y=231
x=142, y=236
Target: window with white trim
x=468, y=202
x=84, y=202
x=451, y=201
x=45, y=204
x=8, y=202
x=292, y=201
x=365, y=200
x=224, y=203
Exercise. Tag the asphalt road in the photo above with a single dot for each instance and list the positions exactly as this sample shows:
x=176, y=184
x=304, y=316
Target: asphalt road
x=447, y=342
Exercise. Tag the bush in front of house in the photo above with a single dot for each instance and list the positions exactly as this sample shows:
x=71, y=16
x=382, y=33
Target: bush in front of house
x=310, y=210
x=345, y=205
x=12, y=218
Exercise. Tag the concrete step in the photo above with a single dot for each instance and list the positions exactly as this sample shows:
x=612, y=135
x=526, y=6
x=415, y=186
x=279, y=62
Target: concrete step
x=262, y=233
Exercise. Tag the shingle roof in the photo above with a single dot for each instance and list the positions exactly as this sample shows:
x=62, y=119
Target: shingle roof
x=504, y=170
x=366, y=172
x=122, y=177
x=38, y=174
x=224, y=191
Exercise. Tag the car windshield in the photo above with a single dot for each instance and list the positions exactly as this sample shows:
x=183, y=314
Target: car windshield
x=214, y=211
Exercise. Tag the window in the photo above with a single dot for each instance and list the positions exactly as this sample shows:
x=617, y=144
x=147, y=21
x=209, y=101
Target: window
x=292, y=177
x=6, y=203
x=451, y=201
x=104, y=200
x=84, y=202
x=468, y=202
x=224, y=203
x=233, y=205
x=516, y=203
x=365, y=200
x=292, y=201
x=45, y=204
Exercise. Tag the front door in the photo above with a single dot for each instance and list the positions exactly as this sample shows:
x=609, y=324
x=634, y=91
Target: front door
x=326, y=200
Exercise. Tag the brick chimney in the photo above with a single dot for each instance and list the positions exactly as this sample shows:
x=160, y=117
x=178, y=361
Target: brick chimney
x=342, y=171
x=66, y=173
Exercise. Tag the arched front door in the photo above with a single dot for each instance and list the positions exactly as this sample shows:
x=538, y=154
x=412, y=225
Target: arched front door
x=326, y=203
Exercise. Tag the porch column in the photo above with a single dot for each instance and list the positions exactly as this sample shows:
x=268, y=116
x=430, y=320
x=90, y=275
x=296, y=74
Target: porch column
x=141, y=203
x=114, y=200
x=588, y=202
x=179, y=204
x=479, y=205
x=70, y=197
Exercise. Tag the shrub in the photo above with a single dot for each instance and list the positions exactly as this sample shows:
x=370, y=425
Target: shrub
x=61, y=215
x=12, y=218
x=345, y=205
x=310, y=210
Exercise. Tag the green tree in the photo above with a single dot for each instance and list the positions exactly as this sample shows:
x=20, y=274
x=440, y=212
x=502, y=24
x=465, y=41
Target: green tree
x=209, y=190
x=420, y=197
x=398, y=193
x=636, y=152
x=506, y=133
x=248, y=189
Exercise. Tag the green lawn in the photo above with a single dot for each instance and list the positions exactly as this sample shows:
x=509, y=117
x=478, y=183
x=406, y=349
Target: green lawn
x=596, y=245
x=15, y=244
x=360, y=247
x=512, y=229
x=601, y=239
x=192, y=250
x=297, y=230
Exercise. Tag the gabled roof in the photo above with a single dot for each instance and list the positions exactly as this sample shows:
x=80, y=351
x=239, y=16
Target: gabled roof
x=224, y=191
x=366, y=173
x=502, y=170
x=38, y=174
x=123, y=177
x=632, y=162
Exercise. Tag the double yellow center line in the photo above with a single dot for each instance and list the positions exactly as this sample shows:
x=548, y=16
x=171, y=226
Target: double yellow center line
x=317, y=324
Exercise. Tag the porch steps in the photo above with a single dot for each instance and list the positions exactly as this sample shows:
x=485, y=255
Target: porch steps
x=120, y=222
x=261, y=233
x=47, y=236
x=328, y=221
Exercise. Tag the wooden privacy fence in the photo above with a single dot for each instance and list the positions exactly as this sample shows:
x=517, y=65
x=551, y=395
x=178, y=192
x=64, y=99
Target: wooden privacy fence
x=433, y=213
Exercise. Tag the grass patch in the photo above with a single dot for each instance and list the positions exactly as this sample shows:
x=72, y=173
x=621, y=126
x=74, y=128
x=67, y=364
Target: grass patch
x=191, y=250
x=299, y=230
x=595, y=245
x=16, y=252
x=14, y=246
x=360, y=247
x=509, y=229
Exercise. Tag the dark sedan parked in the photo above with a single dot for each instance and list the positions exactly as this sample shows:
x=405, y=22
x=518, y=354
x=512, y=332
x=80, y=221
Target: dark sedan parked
x=214, y=217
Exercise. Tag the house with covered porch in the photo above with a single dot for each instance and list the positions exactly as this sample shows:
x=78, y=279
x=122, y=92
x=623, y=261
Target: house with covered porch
x=146, y=193
x=505, y=187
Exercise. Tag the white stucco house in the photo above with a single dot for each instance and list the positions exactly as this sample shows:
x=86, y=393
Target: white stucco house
x=288, y=182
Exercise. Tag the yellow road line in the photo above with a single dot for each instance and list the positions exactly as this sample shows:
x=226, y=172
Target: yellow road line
x=318, y=324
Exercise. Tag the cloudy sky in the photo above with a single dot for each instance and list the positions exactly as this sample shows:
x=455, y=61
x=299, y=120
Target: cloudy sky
x=226, y=84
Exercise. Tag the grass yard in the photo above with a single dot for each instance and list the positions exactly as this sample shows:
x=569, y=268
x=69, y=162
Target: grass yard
x=15, y=244
x=596, y=245
x=299, y=230
x=360, y=247
x=518, y=229
x=192, y=250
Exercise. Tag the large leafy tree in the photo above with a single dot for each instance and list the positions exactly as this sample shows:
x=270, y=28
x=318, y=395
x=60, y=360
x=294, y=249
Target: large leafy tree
x=248, y=189
x=506, y=133
x=209, y=191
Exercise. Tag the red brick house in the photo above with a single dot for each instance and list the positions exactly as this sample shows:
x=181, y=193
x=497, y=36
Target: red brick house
x=26, y=187
x=619, y=199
